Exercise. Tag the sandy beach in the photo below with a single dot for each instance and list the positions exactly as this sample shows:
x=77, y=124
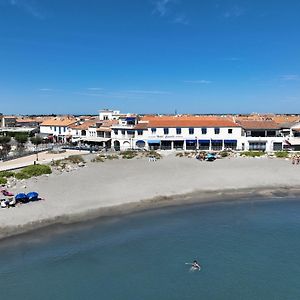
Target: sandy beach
x=120, y=186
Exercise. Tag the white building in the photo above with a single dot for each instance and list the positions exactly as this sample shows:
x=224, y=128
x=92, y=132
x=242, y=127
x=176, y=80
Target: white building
x=93, y=132
x=176, y=132
x=57, y=129
x=261, y=135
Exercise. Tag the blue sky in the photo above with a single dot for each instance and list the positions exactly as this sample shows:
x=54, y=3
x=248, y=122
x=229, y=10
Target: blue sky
x=154, y=56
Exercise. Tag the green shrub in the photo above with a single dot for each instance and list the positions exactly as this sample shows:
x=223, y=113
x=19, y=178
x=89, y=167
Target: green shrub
x=113, y=156
x=224, y=153
x=3, y=180
x=282, y=154
x=153, y=153
x=6, y=174
x=21, y=176
x=75, y=159
x=180, y=154
x=129, y=154
x=33, y=170
x=253, y=153
x=98, y=158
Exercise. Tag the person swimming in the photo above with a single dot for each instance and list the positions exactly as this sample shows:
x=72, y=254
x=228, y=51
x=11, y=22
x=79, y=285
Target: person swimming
x=196, y=265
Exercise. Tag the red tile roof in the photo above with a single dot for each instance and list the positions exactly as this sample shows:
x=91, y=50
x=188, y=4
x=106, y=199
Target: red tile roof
x=259, y=124
x=188, y=121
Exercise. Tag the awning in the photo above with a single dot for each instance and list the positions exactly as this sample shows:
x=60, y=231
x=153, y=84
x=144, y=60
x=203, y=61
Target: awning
x=191, y=141
x=230, y=141
x=140, y=141
x=130, y=119
x=204, y=141
x=154, y=142
x=216, y=141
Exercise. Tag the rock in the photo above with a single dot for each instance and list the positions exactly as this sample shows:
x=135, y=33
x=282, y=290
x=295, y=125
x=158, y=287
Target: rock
x=24, y=186
x=81, y=164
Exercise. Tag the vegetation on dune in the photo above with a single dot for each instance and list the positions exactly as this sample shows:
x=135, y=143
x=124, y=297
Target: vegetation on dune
x=153, y=153
x=98, y=158
x=3, y=180
x=224, y=153
x=281, y=154
x=73, y=159
x=6, y=174
x=33, y=170
x=253, y=153
x=128, y=154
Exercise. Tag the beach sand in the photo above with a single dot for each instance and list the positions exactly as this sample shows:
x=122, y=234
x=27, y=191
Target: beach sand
x=120, y=186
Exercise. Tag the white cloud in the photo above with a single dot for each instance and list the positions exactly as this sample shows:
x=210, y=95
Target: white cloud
x=28, y=6
x=233, y=59
x=290, y=77
x=202, y=81
x=95, y=89
x=161, y=7
x=45, y=90
x=181, y=20
x=148, y=92
x=234, y=12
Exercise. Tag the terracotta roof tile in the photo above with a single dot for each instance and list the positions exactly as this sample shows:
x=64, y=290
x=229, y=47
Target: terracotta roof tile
x=258, y=124
x=59, y=121
x=189, y=121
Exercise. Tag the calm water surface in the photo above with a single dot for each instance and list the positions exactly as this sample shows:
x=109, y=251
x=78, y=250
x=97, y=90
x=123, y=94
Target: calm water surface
x=248, y=250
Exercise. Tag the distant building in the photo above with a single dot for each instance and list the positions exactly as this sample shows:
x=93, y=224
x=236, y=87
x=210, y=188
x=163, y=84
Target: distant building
x=57, y=129
x=8, y=121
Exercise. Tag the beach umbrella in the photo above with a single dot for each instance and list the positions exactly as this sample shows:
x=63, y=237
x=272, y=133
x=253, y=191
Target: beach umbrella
x=21, y=197
x=32, y=196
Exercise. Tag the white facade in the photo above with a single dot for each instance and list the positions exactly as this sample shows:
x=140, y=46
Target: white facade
x=58, y=132
x=177, y=138
x=107, y=114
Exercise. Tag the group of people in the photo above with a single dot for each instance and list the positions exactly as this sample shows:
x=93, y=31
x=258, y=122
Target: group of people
x=152, y=158
x=295, y=159
x=11, y=200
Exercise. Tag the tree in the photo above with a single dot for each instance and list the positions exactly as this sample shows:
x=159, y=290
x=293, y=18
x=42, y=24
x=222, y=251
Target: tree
x=36, y=141
x=5, y=146
x=21, y=139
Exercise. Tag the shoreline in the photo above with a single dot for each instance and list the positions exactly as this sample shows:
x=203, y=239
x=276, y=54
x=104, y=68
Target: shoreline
x=65, y=222
x=120, y=187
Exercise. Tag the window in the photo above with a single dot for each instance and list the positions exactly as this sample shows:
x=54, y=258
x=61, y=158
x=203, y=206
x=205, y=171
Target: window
x=230, y=131
x=204, y=130
x=178, y=130
x=50, y=127
x=191, y=130
x=153, y=130
x=54, y=128
x=116, y=131
x=217, y=130
x=259, y=146
x=123, y=132
x=166, y=130
x=140, y=132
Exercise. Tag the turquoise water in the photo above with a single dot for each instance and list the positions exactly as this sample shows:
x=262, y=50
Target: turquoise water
x=248, y=250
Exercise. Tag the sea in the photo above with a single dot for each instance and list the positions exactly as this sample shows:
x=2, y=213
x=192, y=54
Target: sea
x=247, y=250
